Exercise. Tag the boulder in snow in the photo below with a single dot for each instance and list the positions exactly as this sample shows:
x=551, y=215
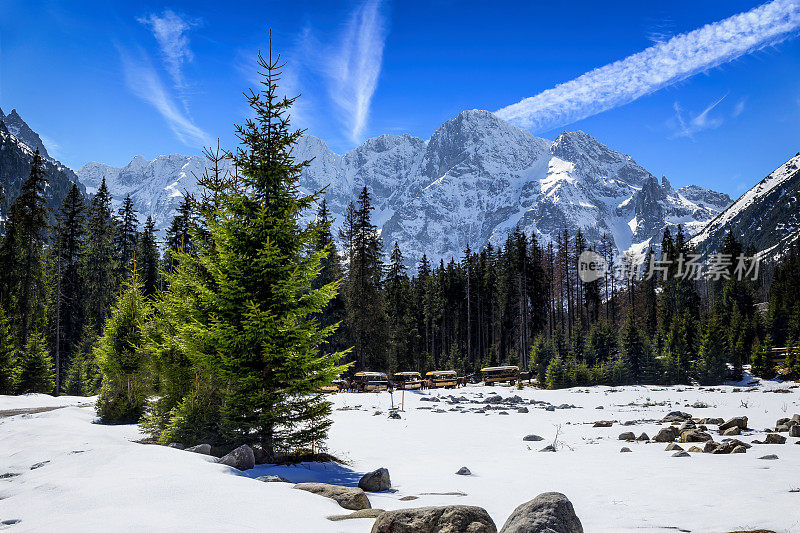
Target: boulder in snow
x=375, y=481
x=463, y=471
x=352, y=498
x=550, y=512
x=445, y=519
x=204, y=449
x=736, y=421
x=241, y=458
x=774, y=438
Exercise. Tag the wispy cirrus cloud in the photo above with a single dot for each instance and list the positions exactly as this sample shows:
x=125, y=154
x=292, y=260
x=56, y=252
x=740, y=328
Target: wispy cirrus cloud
x=687, y=126
x=171, y=33
x=144, y=81
x=659, y=66
x=356, y=65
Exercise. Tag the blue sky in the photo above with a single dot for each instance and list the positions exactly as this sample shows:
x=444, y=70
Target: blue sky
x=718, y=107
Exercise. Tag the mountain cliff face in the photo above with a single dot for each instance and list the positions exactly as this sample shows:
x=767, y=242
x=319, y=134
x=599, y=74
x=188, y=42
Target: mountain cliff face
x=472, y=182
x=767, y=216
x=15, y=163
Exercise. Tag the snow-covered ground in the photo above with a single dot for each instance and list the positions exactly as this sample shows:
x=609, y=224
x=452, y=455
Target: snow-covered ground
x=98, y=479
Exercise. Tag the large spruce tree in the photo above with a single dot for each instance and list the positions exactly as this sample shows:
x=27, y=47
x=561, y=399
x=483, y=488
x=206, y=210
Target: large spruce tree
x=242, y=309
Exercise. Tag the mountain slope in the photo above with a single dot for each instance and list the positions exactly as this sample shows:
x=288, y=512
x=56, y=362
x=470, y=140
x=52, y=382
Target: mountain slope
x=472, y=182
x=767, y=216
x=15, y=165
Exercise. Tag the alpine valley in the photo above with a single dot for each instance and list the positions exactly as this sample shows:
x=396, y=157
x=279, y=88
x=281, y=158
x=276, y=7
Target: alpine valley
x=474, y=181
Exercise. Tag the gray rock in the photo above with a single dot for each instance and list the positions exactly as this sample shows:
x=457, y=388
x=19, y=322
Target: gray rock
x=710, y=447
x=532, y=438
x=676, y=416
x=770, y=457
x=273, y=479
x=241, y=458
x=550, y=408
x=643, y=437
x=550, y=512
x=783, y=428
x=204, y=449
x=177, y=445
x=352, y=498
x=375, y=481
x=463, y=471
x=445, y=519
x=774, y=438
x=739, y=449
x=628, y=435
x=732, y=431
x=681, y=454
x=603, y=424
x=794, y=431
x=625, y=450
x=522, y=410
x=548, y=448
x=672, y=447
x=666, y=434
x=736, y=421
x=694, y=435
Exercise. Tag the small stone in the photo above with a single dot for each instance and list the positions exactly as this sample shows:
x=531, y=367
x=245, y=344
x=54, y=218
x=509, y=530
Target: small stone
x=408, y=498
x=522, y=410
x=770, y=457
x=643, y=437
x=695, y=449
x=363, y=513
x=710, y=447
x=732, y=431
x=39, y=465
x=532, y=438
x=351, y=498
x=463, y=471
x=177, y=445
x=794, y=431
x=680, y=454
x=739, y=449
x=628, y=435
x=548, y=448
x=666, y=434
x=672, y=447
x=625, y=450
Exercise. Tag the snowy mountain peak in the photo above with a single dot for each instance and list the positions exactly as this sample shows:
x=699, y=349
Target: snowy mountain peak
x=472, y=182
x=20, y=129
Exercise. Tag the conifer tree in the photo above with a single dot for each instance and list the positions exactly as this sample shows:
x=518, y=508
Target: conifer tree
x=35, y=366
x=633, y=350
x=122, y=356
x=68, y=293
x=99, y=269
x=760, y=362
x=77, y=382
x=252, y=310
x=8, y=356
x=21, y=254
x=125, y=236
x=366, y=321
x=147, y=258
x=712, y=367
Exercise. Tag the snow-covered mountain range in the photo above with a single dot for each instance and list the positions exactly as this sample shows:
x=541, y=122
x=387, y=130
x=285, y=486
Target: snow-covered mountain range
x=767, y=216
x=472, y=182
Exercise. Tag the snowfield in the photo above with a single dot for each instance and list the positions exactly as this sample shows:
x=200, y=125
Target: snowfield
x=95, y=478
